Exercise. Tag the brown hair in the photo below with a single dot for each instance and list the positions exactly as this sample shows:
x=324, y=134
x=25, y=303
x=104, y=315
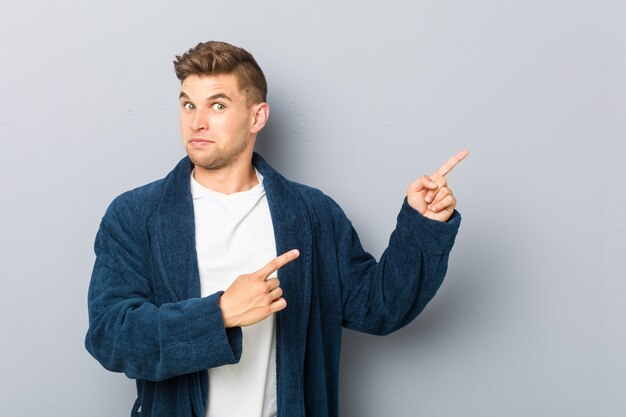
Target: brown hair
x=212, y=58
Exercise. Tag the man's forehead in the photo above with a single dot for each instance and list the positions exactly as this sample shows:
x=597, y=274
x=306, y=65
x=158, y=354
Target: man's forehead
x=203, y=86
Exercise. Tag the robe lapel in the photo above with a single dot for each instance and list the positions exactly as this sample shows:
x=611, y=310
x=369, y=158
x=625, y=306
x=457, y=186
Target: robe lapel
x=176, y=251
x=292, y=230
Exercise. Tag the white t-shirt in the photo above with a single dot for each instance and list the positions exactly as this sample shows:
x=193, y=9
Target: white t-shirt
x=235, y=236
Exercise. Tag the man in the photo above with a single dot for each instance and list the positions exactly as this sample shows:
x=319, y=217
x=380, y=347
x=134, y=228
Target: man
x=182, y=298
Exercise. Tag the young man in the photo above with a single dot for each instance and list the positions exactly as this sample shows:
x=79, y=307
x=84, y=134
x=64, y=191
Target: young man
x=182, y=298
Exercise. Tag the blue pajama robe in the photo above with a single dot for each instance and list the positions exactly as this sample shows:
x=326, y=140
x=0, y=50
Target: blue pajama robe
x=147, y=319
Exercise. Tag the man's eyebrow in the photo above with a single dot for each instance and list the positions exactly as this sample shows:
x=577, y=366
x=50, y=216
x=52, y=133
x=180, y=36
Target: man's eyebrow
x=219, y=95
x=213, y=97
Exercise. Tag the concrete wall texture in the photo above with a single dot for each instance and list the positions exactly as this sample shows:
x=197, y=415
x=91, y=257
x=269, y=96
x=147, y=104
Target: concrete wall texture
x=365, y=96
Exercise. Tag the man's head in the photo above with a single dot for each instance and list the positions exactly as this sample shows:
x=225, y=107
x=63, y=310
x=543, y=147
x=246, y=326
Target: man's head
x=222, y=105
x=219, y=58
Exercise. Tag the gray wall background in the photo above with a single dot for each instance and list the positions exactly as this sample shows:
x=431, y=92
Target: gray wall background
x=365, y=97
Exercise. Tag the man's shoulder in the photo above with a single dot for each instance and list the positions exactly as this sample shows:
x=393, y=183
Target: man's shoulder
x=144, y=193
x=310, y=196
x=318, y=203
x=130, y=206
x=148, y=196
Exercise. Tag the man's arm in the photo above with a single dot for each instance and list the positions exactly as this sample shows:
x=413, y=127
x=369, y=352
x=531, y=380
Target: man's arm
x=380, y=297
x=128, y=332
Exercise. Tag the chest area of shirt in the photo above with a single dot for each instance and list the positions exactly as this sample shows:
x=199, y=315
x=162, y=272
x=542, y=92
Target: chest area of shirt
x=231, y=241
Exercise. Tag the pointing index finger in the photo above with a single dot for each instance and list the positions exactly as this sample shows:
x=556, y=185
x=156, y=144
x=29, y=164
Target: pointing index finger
x=452, y=162
x=278, y=262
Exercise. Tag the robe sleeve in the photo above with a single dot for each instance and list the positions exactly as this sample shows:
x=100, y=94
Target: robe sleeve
x=128, y=332
x=381, y=297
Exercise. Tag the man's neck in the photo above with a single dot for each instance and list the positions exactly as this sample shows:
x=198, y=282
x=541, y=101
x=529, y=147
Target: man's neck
x=228, y=180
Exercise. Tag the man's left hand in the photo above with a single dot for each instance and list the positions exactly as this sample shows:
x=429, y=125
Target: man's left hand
x=430, y=195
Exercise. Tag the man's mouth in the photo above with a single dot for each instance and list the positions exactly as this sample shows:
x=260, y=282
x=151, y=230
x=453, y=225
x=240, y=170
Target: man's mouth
x=200, y=142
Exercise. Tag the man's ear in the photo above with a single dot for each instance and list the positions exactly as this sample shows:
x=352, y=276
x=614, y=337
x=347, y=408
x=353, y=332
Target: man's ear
x=261, y=113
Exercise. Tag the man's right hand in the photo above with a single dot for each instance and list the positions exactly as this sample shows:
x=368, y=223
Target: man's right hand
x=253, y=297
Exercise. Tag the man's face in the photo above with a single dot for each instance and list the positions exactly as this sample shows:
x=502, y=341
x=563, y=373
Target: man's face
x=215, y=121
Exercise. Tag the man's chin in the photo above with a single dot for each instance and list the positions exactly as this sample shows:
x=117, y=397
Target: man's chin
x=209, y=162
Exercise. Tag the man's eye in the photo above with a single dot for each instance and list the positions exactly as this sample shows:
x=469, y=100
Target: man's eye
x=218, y=106
x=189, y=106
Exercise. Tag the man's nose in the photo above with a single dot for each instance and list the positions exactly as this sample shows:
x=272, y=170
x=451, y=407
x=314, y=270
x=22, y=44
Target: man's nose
x=200, y=121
